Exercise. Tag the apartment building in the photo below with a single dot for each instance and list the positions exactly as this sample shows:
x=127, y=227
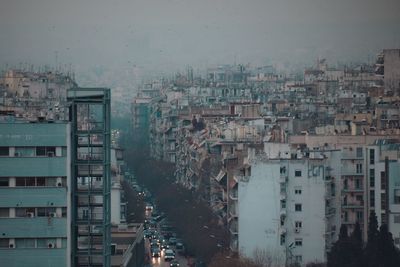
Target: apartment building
x=288, y=206
x=35, y=213
x=91, y=176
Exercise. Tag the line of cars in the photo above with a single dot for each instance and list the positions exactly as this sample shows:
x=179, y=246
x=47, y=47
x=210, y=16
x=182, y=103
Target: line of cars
x=163, y=240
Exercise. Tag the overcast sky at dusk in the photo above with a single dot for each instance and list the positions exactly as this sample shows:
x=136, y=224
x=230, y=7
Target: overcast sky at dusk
x=168, y=34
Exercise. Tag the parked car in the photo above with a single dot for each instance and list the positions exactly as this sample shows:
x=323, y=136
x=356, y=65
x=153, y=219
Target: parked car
x=169, y=255
x=172, y=241
x=180, y=248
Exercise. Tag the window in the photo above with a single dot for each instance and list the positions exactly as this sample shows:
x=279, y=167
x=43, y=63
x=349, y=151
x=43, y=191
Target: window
x=372, y=198
x=40, y=181
x=30, y=182
x=297, y=207
x=298, y=224
x=48, y=151
x=42, y=242
x=4, y=151
x=359, y=152
x=383, y=201
x=4, y=212
x=396, y=218
x=40, y=151
x=283, y=240
x=383, y=180
x=4, y=182
x=298, y=242
x=345, y=184
x=20, y=182
x=397, y=196
x=346, y=216
x=358, y=184
x=25, y=212
x=25, y=242
x=297, y=191
x=298, y=258
x=64, y=212
x=24, y=152
x=371, y=177
x=360, y=216
x=45, y=212
x=297, y=173
x=359, y=168
x=372, y=156
x=283, y=204
x=4, y=242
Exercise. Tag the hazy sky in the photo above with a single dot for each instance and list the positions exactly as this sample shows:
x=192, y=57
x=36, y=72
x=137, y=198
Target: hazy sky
x=171, y=33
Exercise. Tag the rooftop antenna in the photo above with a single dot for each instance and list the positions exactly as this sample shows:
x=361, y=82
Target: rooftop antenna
x=56, y=56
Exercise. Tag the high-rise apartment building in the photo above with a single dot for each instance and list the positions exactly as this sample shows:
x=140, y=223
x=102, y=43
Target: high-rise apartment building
x=90, y=176
x=34, y=194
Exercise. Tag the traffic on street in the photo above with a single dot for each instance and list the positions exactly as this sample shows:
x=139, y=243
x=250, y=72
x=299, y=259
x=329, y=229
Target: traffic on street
x=163, y=247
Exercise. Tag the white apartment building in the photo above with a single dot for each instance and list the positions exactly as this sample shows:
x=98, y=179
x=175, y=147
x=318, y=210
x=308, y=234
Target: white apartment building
x=288, y=207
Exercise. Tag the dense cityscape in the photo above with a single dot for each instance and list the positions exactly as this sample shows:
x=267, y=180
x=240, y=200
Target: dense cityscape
x=221, y=155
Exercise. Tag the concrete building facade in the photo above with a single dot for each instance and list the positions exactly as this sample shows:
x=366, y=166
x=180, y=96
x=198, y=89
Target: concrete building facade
x=34, y=194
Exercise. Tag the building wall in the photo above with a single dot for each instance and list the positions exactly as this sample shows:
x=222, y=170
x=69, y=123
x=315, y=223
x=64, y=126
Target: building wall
x=33, y=195
x=312, y=199
x=392, y=70
x=268, y=216
x=394, y=201
x=259, y=212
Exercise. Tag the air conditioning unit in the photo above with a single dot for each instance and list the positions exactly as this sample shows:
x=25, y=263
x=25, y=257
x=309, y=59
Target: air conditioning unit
x=50, y=154
x=59, y=181
x=17, y=154
x=51, y=245
x=52, y=214
x=30, y=214
x=297, y=230
x=11, y=244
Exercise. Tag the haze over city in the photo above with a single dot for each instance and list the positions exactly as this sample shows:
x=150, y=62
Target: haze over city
x=168, y=34
x=200, y=133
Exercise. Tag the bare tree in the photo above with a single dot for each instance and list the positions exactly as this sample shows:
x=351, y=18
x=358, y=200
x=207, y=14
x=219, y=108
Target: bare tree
x=227, y=260
x=265, y=258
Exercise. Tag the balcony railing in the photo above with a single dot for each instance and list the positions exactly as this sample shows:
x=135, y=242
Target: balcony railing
x=353, y=205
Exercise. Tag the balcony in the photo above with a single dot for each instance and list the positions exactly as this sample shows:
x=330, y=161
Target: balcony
x=12, y=197
x=233, y=213
x=349, y=172
x=329, y=211
x=353, y=190
x=353, y=205
x=233, y=228
x=233, y=195
x=234, y=245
